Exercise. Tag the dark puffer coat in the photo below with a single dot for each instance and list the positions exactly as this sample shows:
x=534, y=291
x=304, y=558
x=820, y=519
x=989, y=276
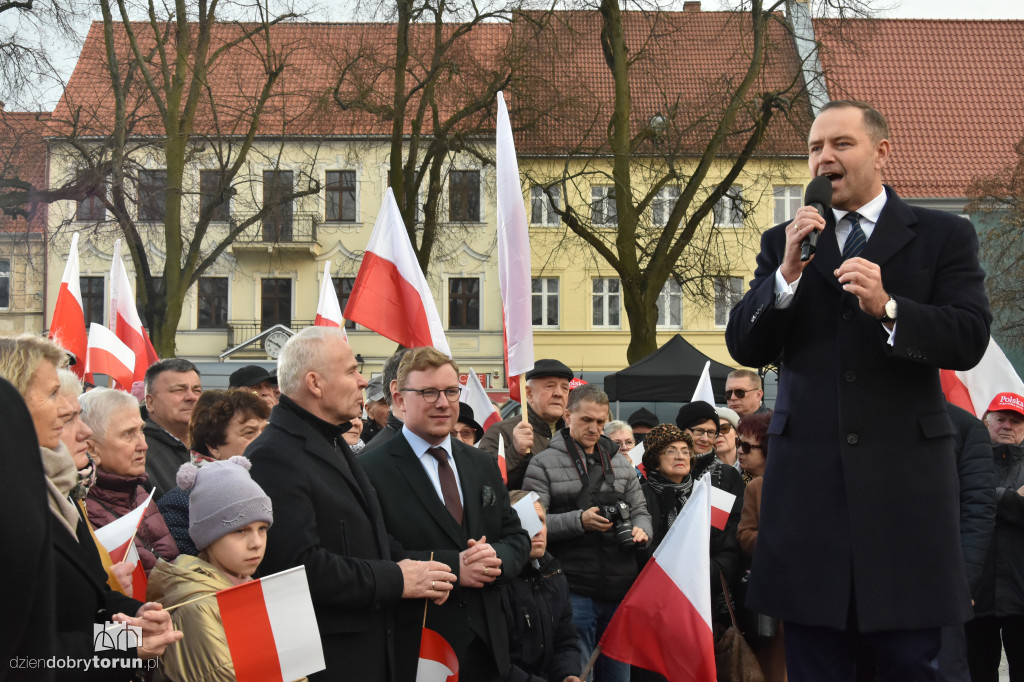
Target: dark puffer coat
x=1001, y=592
x=112, y=497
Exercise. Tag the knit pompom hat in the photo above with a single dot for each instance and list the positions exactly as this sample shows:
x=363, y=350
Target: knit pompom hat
x=223, y=499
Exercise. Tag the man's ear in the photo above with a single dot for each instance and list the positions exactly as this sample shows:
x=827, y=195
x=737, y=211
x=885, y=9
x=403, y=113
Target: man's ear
x=313, y=382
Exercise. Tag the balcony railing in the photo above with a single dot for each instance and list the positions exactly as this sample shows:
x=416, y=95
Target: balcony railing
x=243, y=330
x=280, y=228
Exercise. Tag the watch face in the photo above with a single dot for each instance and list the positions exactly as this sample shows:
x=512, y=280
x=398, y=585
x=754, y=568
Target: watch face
x=890, y=309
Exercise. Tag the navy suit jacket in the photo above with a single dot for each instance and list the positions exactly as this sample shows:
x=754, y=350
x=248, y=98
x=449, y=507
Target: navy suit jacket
x=860, y=502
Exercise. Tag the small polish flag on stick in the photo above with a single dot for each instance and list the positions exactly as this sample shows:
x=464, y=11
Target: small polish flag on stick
x=721, y=506
x=974, y=389
x=664, y=622
x=328, y=310
x=438, y=662
x=704, y=391
x=67, y=326
x=108, y=355
x=390, y=294
x=118, y=538
x=271, y=628
x=502, y=462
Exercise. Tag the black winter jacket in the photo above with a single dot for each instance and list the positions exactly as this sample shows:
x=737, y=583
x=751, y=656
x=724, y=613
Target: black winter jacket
x=977, y=473
x=542, y=637
x=164, y=457
x=1001, y=592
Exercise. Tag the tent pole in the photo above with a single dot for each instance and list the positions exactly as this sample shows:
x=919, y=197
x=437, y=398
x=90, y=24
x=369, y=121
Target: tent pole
x=617, y=410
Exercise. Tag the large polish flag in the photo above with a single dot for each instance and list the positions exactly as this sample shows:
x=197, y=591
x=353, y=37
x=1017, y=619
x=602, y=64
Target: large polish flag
x=328, y=310
x=124, y=318
x=974, y=389
x=664, y=622
x=118, y=538
x=438, y=662
x=513, y=252
x=271, y=628
x=390, y=294
x=67, y=327
x=108, y=355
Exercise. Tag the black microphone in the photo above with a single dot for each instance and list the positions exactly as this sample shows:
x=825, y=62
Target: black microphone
x=819, y=197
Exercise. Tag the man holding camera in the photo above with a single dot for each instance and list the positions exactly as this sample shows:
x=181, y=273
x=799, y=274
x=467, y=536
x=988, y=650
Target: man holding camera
x=596, y=516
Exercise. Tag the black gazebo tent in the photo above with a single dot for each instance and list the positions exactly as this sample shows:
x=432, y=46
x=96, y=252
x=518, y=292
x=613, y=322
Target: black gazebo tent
x=668, y=374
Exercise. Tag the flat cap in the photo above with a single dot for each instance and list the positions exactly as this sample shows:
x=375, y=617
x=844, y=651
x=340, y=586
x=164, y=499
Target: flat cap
x=550, y=368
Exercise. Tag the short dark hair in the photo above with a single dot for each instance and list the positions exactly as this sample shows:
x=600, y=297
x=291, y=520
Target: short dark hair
x=214, y=411
x=756, y=426
x=586, y=392
x=390, y=372
x=874, y=121
x=168, y=365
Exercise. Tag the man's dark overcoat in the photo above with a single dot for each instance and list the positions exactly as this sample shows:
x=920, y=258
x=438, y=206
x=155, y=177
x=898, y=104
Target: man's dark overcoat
x=326, y=517
x=860, y=503
x=417, y=518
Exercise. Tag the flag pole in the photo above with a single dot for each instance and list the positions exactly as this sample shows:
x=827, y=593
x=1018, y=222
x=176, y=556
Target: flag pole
x=426, y=601
x=590, y=663
x=190, y=601
x=526, y=409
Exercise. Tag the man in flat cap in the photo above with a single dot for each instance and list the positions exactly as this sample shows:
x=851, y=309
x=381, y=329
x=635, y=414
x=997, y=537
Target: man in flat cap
x=259, y=381
x=547, y=395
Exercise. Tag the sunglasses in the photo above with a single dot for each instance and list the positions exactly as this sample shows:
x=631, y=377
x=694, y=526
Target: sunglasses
x=724, y=427
x=739, y=392
x=745, y=447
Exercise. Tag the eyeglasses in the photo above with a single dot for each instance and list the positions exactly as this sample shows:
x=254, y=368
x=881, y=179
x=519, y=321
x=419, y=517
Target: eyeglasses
x=724, y=427
x=629, y=443
x=464, y=433
x=745, y=447
x=703, y=433
x=431, y=395
x=740, y=393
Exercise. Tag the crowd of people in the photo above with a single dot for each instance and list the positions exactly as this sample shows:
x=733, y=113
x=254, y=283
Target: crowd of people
x=883, y=521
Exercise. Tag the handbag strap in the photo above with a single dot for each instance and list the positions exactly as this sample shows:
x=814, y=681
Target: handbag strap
x=728, y=601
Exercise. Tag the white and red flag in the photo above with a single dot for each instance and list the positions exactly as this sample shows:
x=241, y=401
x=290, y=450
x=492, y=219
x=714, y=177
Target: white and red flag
x=474, y=395
x=67, y=326
x=704, y=391
x=664, y=622
x=390, y=294
x=108, y=355
x=438, y=662
x=721, y=507
x=975, y=388
x=271, y=628
x=124, y=318
x=118, y=538
x=328, y=310
x=513, y=254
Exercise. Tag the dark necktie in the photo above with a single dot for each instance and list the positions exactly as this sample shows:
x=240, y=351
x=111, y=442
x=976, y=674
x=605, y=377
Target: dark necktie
x=856, y=240
x=449, y=488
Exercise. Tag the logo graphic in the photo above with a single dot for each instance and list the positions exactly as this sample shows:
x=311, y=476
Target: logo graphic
x=115, y=637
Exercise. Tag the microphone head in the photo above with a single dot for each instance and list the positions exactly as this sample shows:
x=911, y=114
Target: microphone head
x=819, y=191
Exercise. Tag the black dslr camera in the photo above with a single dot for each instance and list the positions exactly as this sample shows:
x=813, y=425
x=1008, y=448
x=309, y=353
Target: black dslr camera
x=622, y=529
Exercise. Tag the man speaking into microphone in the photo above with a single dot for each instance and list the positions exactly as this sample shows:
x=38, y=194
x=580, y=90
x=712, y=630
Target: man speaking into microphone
x=858, y=548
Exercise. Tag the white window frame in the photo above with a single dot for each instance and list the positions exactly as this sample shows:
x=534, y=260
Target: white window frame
x=606, y=301
x=786, y=199
x=670, y=298
x=730, y=210
x=603, y=211
x=340, y=221
x=545, y=296
x=663, y=203
x=448, y=303
x=728, y=292
x=542, y=203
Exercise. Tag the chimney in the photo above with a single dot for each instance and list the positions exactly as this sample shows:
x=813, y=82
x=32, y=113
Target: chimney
x=691, y=6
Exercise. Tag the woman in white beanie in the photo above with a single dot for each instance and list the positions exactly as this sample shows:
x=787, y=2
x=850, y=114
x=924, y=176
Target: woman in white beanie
x=228, y=519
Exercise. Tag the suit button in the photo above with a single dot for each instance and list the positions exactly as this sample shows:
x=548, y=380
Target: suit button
x=850, y=376
x=102, y=616
x=852, y=438
x=847, y=314
x=462, y=604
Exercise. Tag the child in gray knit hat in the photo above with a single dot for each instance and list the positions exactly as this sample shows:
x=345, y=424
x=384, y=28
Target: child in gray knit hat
x=228, y=519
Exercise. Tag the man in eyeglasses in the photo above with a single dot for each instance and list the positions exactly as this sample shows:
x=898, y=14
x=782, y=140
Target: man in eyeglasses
x=445, y=500
x=743, y=392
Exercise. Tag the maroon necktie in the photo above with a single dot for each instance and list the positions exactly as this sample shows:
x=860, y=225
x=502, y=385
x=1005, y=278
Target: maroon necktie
x=449, y=488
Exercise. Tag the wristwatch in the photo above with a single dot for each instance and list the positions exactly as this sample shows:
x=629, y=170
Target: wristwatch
x=889, y=312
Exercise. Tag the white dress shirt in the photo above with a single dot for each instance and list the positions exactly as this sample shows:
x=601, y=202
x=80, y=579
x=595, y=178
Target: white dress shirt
x=430, y=463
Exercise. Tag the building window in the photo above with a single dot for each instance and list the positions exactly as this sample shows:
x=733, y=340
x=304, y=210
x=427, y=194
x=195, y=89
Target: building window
x=662, y=205
x=152, y=189
x=277, y=191
x=343, y=288
x=92, y=300
x=5, y=283
x=275, y=302
x=91, y=209
x=545, y=301
x=787, y=201
x=670, y=305
x=728, y=292
x=341, y=196
x=543, y=204
x=213, y=198
x=213, y=303
x=730, y=211
x=602, y=205
x=606, y=302
x=464, y=197
x=464, y=303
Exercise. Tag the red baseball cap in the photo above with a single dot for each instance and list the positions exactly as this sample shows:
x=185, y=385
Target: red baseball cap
x=1007, y=402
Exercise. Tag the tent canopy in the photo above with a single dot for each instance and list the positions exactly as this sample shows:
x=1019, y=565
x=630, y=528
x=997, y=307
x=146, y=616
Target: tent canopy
x=670, y=373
